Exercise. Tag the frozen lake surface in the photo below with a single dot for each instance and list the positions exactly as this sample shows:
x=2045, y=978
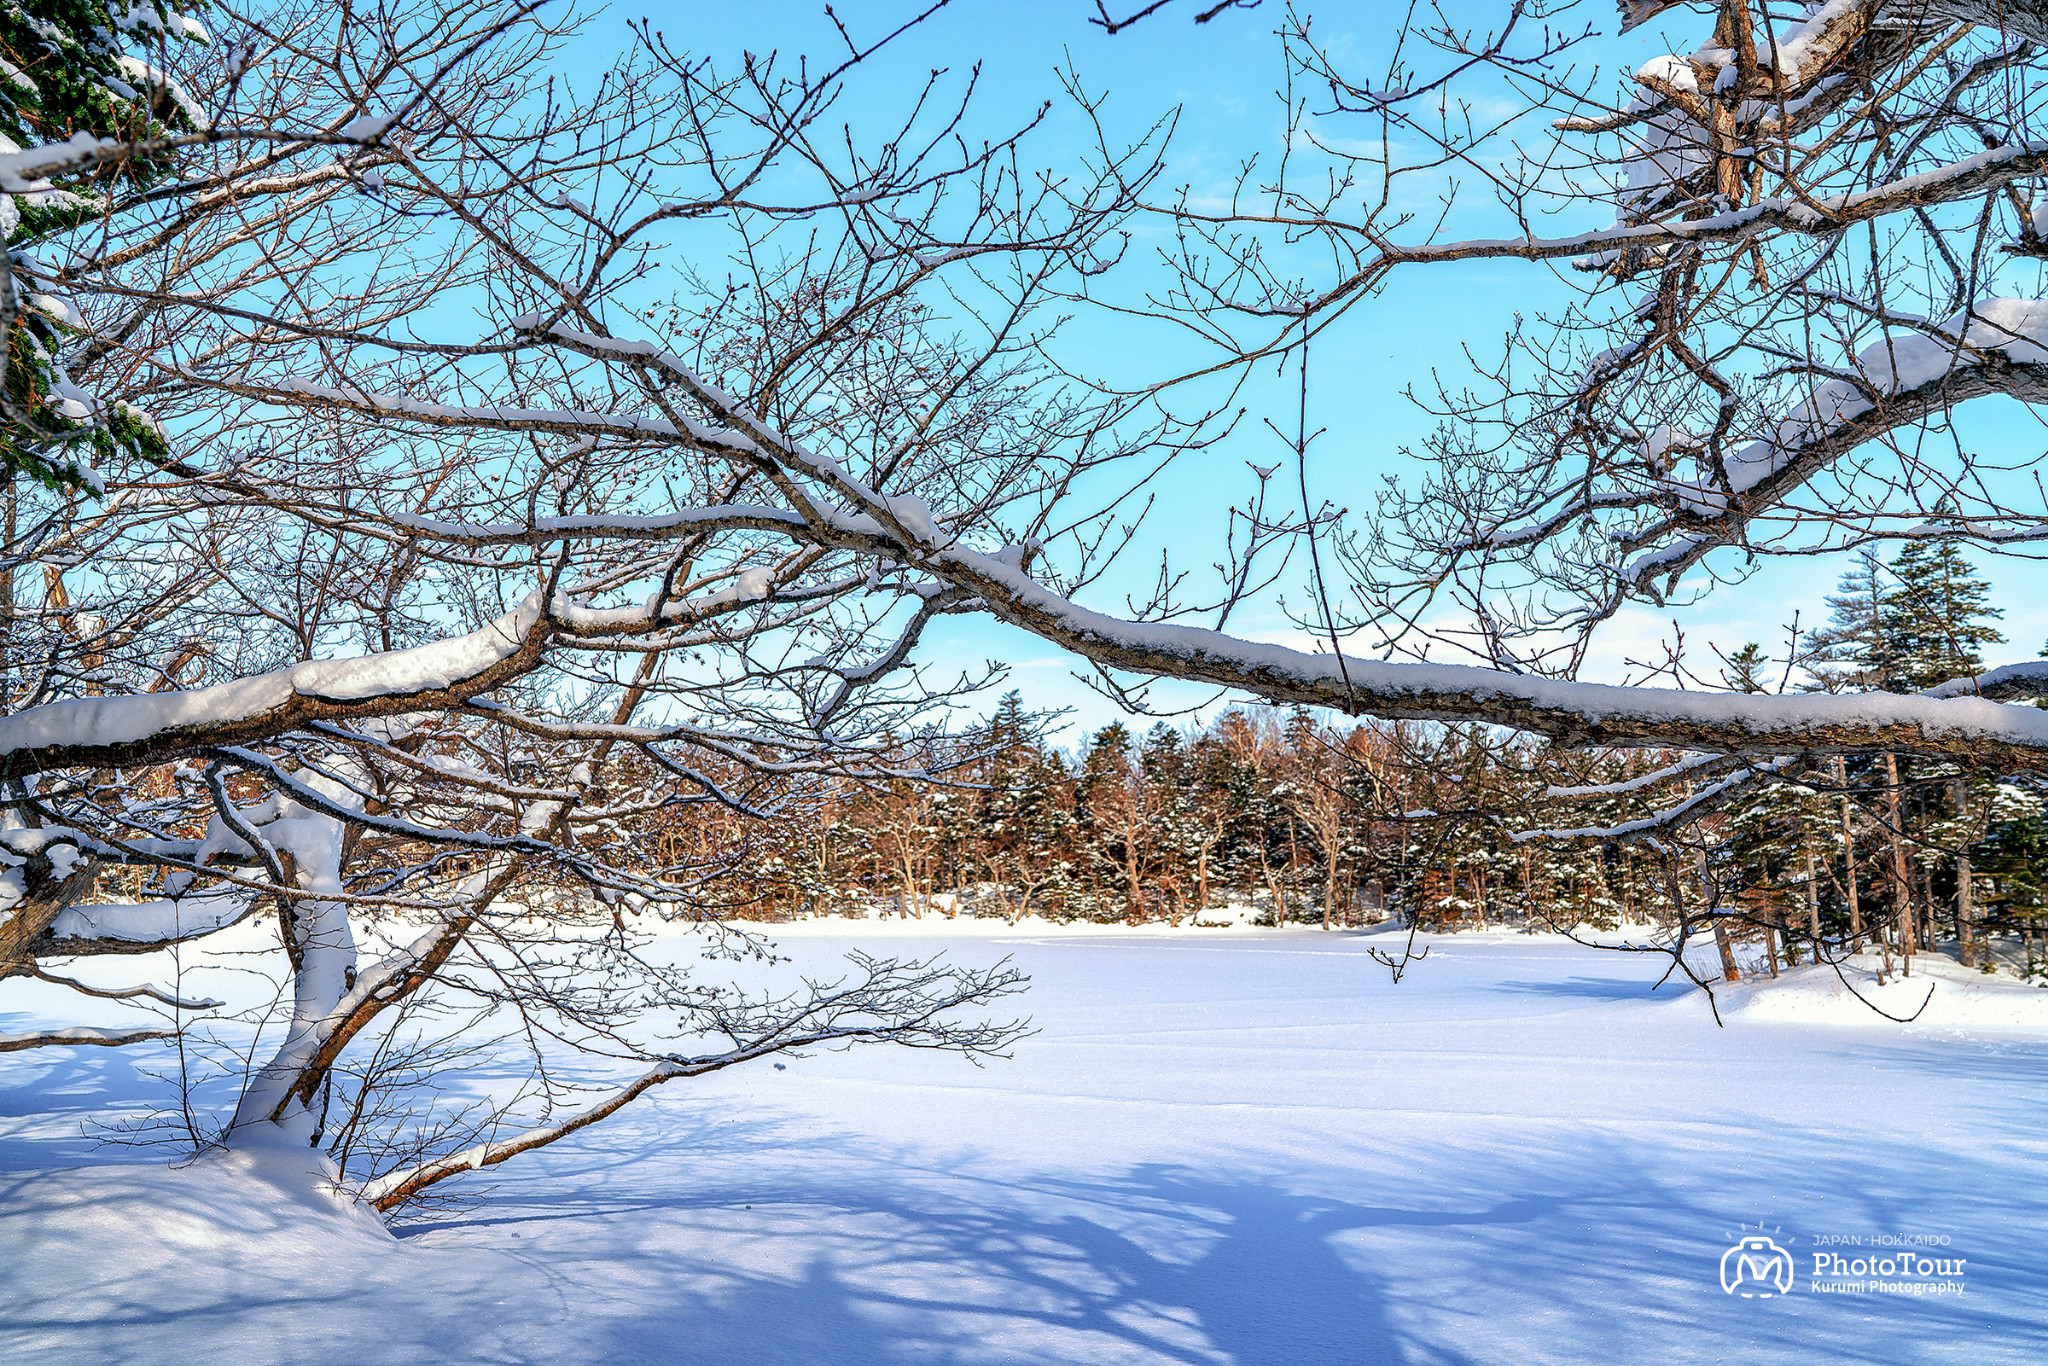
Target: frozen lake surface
x=1219, y=1148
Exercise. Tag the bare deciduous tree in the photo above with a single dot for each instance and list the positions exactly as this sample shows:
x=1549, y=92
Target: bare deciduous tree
x=501, y=463
x=437, y=573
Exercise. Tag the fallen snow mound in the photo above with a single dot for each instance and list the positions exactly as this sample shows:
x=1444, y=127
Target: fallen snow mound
x=1953, y=996
x=260, y=1220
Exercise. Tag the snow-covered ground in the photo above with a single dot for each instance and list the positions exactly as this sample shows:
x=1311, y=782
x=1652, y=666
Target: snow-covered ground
x=1223, y=1146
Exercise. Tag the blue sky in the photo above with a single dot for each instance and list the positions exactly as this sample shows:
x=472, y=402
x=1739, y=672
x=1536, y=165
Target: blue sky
x=1222, y=78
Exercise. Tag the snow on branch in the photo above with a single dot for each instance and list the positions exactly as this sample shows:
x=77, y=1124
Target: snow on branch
x=303, y=1065
x=1691, y=808
x=2009, y=682
x=565, y=422
x=1696, y=766
x=29, y=172
x=154, y=993
x=150, y=727
x=81, y=1034
x=145, y=926
x=1817, y=216
x=1971, y=731
x=1998, y=346
x=618, y=527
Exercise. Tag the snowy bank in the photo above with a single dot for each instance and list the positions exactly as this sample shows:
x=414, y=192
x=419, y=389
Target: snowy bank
x=1944, y=993
x=217, y=1238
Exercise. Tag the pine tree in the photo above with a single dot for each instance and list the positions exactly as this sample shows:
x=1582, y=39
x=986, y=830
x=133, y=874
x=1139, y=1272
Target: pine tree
x=1112, y=815
x=1851, y=653
x=1747, y=669
x=72, y=68
x=1022, y=830
x=1167, y=774
x=1923, y=619
x=1767, y=859
x=1936, y=617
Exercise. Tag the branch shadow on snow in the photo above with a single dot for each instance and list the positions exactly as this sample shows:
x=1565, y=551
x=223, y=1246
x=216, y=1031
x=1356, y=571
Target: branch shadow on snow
x=1579, y=1241
x=763, y=1241
x=714, y=1233
x=70, y=1095
x=1163, y=1264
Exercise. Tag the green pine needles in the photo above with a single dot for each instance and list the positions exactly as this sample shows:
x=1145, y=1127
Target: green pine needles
x=71, y=68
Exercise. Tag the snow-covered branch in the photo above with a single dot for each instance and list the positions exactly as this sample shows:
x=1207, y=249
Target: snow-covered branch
x=153, y=993
x=1969, y=730
x=147, y=728
x=81, y=1034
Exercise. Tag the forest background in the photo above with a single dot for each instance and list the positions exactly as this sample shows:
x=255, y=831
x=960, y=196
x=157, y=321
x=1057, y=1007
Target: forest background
x=1301, y=819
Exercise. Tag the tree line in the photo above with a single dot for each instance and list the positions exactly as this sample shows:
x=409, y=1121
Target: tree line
x=1311, y=821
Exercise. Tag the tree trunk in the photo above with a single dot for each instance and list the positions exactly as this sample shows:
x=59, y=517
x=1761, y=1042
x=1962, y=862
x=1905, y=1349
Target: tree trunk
x=1902, y=883
x=1329, y=889
x=1812, y=908
x=1729, y=972
x=907, y=901
x=1966, y=927
x=7, y=530
x=1849, y=860
x=1274, y=888
x=1133, y=880
x=48, y=887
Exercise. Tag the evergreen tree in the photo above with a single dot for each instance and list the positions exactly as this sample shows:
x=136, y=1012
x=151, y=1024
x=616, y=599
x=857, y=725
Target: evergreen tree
x=1167, y=773
x=1919, y=621
x=1936, y=617
x=1042, y=857
x=1022, y=834
x=1851, y=653
x=72, y=67
x=1773, y=834
x=1747, y=670
x=1111, y=812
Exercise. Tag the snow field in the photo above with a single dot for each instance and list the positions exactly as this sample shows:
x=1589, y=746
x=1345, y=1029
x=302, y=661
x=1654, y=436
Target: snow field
x=1222, y=1146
